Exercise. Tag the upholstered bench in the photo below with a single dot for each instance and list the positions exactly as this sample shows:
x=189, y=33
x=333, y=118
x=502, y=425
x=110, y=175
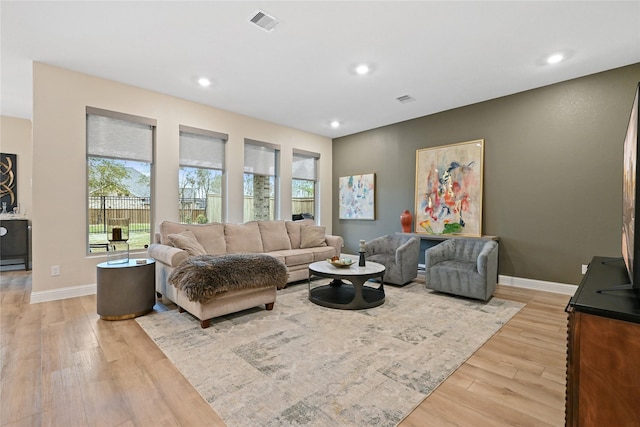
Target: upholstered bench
x=209, y=286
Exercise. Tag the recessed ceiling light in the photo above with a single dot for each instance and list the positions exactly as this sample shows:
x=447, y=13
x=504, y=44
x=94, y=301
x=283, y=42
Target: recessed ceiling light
x=203, y=81
x=555, y=58
x=363, y=69
x=335, y=124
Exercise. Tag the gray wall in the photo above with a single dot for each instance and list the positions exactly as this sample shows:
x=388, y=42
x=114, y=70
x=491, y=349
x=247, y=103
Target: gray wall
x=552, y=171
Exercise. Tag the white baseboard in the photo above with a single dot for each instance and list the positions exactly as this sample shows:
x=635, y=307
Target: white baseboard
x=518, y=282
x=62, y=293
x=539, y=285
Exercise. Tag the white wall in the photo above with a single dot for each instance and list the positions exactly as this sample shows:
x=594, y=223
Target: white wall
x=15, y=138
x=59, y=166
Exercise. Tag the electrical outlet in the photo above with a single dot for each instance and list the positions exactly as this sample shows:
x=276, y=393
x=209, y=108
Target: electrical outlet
x=584, y=268
x=55, y=270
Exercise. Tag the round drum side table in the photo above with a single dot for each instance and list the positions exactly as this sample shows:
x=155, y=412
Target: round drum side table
x=125, y=290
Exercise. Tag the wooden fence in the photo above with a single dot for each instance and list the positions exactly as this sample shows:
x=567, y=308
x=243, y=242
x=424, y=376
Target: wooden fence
x=191, y=211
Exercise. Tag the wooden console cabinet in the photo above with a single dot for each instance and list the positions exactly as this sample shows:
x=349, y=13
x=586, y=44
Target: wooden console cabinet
x=603, y=357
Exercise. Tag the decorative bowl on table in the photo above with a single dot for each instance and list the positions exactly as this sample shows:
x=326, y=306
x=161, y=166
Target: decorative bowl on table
x=342, y=262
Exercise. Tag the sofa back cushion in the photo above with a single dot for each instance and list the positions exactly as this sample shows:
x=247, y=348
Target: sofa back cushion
x=243, y=238
x=293, y=228
x=211, y=236
x=274, y=236
x=169, y=227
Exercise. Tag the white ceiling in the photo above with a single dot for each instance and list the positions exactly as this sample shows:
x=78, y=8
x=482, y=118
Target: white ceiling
x=445, y=54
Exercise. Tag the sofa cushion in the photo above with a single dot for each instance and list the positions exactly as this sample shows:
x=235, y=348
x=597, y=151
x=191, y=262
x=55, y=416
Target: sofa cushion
x=210, y=236
x=322, y=253
x=277, y=255
x=187, y=241
x=243, y=238
x=169, y=227
x=294, y=256
x=312, y=236
x=293, y=228
x=274, y=236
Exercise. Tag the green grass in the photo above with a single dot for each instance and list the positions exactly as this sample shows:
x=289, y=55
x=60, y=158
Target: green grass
x=137, y=240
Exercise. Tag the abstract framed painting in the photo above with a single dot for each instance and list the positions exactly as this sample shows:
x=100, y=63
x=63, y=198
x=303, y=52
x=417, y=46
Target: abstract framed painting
x=449, y=189
x=357, y=196
x=8, y=181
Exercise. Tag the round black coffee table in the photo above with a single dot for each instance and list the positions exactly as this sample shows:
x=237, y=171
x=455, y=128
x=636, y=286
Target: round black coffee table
x=354, y=295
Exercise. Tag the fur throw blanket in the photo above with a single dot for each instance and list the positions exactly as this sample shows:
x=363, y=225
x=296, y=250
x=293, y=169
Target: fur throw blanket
x=202, y=277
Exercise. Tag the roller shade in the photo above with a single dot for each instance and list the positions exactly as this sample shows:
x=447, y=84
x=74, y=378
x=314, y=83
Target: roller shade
x=304, y=167
x=117, y=138
x=201, y=151
x=259, y=160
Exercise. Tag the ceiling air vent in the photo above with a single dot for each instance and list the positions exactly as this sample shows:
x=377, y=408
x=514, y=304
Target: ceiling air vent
x=263, y=20
x=405, y=98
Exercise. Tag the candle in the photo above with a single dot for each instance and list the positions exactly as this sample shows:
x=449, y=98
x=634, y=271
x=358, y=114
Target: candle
x=116, y=234
x=361, y=245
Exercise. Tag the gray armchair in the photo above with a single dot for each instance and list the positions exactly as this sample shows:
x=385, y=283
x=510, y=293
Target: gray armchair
x=465, y=267
x=398, y=253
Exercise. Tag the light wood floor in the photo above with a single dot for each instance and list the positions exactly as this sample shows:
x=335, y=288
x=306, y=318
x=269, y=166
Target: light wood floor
x=63, y=366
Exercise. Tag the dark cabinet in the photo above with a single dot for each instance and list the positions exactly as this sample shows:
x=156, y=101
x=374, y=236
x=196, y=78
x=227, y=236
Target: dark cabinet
x=603, y=358
x=14, y=241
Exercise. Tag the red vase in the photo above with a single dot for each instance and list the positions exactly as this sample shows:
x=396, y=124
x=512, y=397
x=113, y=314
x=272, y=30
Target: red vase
x=405, y=220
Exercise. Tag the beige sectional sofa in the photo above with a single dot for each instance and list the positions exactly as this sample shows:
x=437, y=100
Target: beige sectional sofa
x=295, y=243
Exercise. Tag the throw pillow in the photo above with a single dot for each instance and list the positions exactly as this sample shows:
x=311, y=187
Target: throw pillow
x=312, y=236
x=187, y=241
x=293, y=228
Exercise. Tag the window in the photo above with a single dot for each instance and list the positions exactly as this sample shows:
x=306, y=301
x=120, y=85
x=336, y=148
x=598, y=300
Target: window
x=260, y=180
x=119, y=176
x=303, y=188
x=201, y=175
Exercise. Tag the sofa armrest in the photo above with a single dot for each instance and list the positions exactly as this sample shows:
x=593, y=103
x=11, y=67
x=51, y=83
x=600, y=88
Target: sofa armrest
x=168, y=255
x=336, y=241
x=487, y=259
x=410, y=248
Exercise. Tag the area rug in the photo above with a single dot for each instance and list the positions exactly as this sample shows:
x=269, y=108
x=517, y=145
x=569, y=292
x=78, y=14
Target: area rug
x=303, y=364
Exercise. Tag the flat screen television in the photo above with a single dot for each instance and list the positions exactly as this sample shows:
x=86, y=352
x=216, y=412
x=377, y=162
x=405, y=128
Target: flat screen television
x=631, y=198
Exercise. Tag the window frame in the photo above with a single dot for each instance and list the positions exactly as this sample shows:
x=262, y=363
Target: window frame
x=145, y=121
x=213, y=135
x=316, y=158
x=276, y=174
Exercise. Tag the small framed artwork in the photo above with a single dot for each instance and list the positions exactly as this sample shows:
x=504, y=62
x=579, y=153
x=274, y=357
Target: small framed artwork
x=449, y=189
x=357, y=196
